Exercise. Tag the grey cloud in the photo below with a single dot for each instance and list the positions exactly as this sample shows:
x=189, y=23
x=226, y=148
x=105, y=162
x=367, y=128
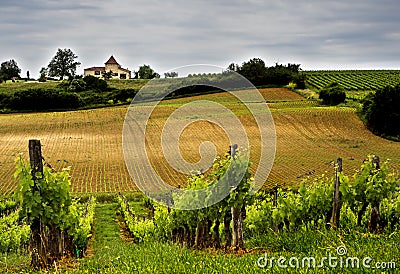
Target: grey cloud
x=174, y=33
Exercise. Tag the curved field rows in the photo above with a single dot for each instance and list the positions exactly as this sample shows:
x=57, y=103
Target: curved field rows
x=88, y=141
x=359, y=80
x=309, y=138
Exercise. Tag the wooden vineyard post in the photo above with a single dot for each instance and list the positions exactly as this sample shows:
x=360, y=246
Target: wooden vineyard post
x=275, y=196
x=337, y=195
x=275, y=204
x=233, y=150
x=35, y=157
x=374, y=217
x=377, y=162
x=237, y=214
x=36, y=244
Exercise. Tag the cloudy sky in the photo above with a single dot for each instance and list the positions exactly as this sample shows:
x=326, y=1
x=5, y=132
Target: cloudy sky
x=318, y=34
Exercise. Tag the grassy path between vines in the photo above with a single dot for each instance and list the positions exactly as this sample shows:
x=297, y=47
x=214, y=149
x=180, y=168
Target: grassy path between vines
x=112, y=251
x=113, y=254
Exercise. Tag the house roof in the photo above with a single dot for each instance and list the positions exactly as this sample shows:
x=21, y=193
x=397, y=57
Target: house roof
x=126, y=70
x=111, y=61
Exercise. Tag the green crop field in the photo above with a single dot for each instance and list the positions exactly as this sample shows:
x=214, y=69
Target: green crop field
x=9, y=86
x=354, y=80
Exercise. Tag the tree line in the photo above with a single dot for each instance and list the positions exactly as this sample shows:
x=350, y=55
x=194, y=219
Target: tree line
x=64, y=64
x=256, y=71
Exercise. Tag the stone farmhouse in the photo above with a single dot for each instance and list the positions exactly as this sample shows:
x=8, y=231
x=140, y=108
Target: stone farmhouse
x=111, y=65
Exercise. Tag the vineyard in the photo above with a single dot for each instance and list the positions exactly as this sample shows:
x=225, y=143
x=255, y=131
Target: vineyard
x=370, y=203
x=354, y=80
x=14, y=234
x=293, y=216
x=309, y=138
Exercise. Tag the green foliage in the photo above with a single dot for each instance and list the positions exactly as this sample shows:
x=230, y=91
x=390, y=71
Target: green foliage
x=162, y=222
x=381, y=111
x=146, y=72
x=12, y=234
x=332, y=94
x=112, y=254
x=107, y=74
x=77, y=85
x=292, y=86
x=82, y=229
x=257, y=73
x=282, y=75
x=390, y=211
x=123, y=95
x=311, y=205
x=43, y=74
x=7, y=206
x=354, y=80
x=88, y=83
x=140, y=229
x=63, y=64
x=230, y=177
x=348, y=219
x=43, y=99
x=48, y=200
x=370, y=185
x=171, y=74
x=9, y=70
x=254, y=70
x=259, y=219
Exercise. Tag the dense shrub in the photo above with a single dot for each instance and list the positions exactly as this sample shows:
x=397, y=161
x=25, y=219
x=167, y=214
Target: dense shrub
x=43, y=99
x=256, y=72
x=93, y=99
x=87, y=83
x=77, y=85
x=190, y=90
x=333, y=94
x=381, y=111
x=123, y=94
x=94, y=83
x=4, y=100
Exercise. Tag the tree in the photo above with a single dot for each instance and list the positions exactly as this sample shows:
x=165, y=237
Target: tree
x=43, y=74
x=381, y=111
x=254, y=70
x=63, y=64
x=332, y=94
x=146, y=72
x=107, y=75
x=94, y=83
x=171, y=74
x=233, y=67
x=9, y=69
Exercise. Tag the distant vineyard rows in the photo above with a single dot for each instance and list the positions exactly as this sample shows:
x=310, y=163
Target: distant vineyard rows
x=354, y=80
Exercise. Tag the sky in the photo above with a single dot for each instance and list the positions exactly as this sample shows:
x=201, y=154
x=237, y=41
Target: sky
x=318, y=34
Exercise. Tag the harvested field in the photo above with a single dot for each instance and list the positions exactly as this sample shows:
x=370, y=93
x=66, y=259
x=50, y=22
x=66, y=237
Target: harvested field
x=309, y=138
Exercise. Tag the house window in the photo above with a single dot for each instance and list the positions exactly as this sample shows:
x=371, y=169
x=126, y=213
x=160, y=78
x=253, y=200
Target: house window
x=122, y=76
x=97, y=72
x=115, y=74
